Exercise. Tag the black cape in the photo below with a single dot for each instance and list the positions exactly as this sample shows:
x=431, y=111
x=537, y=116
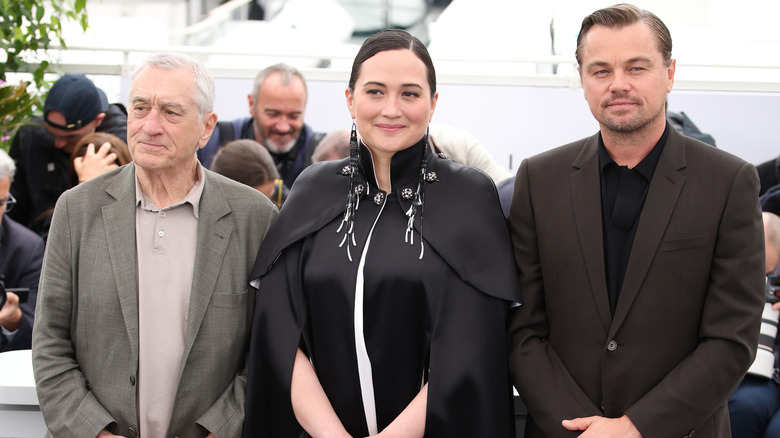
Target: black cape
x=439, y=319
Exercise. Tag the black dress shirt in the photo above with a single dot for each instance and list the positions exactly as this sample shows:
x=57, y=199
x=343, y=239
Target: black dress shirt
x=623, y=193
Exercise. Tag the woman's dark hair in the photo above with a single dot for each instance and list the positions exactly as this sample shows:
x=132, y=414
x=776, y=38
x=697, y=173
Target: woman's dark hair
x=118, y=146
x=245, y=161
x=392, y=39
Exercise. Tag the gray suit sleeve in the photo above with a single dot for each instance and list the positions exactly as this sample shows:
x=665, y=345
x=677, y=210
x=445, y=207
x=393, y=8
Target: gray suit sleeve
x=68, y=407
x=225, y=418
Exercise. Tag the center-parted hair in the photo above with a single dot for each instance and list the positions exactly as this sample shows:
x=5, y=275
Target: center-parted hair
x=392, y=39
x=621, y=15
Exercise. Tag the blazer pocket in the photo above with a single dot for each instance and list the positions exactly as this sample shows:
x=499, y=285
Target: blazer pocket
x=229, y=301
x=686, y=243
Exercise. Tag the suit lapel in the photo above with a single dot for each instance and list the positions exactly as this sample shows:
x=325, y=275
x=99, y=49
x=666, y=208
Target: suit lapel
x=213, y=238
x=119, y=226
x=665, y=188
x=586, y=197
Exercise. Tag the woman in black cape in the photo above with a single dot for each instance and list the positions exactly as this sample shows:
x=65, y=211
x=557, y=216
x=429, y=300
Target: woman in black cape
x=383, y=286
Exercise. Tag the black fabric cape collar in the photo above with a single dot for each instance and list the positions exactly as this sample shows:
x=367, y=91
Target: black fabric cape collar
x=463, y=217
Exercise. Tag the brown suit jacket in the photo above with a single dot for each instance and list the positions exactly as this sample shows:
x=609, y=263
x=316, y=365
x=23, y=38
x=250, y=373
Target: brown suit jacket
x=687, y=321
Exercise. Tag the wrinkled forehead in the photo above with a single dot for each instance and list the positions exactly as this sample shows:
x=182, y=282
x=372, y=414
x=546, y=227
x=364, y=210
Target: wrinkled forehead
x=157, y=86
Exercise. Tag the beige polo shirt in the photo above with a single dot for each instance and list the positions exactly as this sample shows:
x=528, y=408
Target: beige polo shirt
x=166, y=242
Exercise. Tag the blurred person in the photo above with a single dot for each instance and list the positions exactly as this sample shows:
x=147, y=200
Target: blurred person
x=754, y=408
x=73, y=108
x=640, y=257
x=333, y=146
x=276, y=104
x=96, y=154
x=465, y=148
x=144, y=315
x=769, y=174
x=380, y=310
x=248, y=162
x=21, y=255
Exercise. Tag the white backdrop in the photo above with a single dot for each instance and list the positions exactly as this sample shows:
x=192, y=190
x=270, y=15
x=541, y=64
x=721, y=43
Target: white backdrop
x=514, y=122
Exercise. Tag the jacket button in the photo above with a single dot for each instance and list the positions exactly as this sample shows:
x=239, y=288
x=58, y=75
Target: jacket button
x=132, y=431
x=691, y=434
x=132, y=380
x=612, y=346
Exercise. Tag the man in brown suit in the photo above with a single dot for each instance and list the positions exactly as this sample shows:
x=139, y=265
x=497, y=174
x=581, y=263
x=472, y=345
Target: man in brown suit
x=640, y=254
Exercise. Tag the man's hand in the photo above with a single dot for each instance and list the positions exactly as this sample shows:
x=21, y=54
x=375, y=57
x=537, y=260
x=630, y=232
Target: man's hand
x=11, y=314
x=106, y=434
x=94, y=163
x=602, y=427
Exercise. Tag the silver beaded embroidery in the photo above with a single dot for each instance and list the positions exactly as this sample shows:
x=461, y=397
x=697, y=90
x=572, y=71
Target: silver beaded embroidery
x=378, y=198
x=345, y=170
x=407, y=193
x=431, y=177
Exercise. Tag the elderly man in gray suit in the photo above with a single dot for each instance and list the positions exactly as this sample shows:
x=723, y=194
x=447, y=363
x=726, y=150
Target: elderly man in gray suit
x=640, y=254
x=144, y=313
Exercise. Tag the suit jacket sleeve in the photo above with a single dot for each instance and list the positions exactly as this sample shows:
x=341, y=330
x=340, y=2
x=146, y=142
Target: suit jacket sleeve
x=28, y=260
x=225, y=418
x=67, y=405
x=729, y=326
x=551, y=394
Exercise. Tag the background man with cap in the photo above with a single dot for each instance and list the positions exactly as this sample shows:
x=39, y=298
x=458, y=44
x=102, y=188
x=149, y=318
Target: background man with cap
x=73, y=109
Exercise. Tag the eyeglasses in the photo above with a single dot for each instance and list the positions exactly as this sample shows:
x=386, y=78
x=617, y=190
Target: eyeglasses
x=8, y=203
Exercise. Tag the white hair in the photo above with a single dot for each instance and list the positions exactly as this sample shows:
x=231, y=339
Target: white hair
x=7, y=165
x=204, y=82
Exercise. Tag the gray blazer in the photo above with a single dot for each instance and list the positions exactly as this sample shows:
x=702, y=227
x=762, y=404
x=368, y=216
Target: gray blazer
x=686, y=325
x=85, y=339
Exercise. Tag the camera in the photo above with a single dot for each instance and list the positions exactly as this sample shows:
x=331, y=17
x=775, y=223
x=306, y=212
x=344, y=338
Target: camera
x=772, y=289
x=764, y=363
x=22, y=292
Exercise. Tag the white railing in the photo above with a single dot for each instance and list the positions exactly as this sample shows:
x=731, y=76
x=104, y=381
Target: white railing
x=475, y=70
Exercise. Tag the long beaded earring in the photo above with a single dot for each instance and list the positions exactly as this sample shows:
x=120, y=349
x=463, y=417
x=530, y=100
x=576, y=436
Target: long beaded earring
x=353, y=195
x=418, y=202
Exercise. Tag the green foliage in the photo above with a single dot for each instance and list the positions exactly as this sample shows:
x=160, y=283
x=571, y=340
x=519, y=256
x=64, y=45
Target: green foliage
x=27, y=28
x=16, y=105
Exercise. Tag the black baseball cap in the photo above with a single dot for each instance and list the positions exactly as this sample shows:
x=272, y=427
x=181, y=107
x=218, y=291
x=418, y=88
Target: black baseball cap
x=77, y=98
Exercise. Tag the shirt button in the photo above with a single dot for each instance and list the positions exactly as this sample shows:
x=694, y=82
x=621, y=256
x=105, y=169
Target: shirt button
x=161, y=234
x=612, y=346
x=162, y=213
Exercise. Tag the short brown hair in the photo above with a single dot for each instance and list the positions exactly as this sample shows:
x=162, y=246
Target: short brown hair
x=621, y=15
x=245, y=161
x=118, y=147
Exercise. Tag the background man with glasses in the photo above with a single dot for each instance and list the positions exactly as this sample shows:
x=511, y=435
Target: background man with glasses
x=21, y=254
